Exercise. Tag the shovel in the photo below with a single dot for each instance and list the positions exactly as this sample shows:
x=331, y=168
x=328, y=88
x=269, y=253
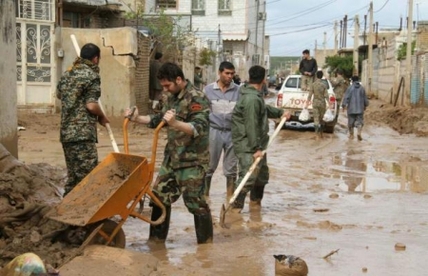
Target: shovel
x=110, y=132
x=225, y=209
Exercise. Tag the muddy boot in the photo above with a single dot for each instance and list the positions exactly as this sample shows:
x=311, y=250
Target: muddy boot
x=230, y=184
x=256, y=196
x=207, y=185
x=351, y=133
x=239, y=202
x=321, y=131
x=158, y=233
x=359, y=129
x=204, y=227
x=317, y=131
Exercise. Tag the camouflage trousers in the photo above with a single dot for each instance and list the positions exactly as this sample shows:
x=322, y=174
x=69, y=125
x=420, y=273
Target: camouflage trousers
x=318, y=111
x=171, y=183
x=306, y=82
x=81, y=158
x=260, y=175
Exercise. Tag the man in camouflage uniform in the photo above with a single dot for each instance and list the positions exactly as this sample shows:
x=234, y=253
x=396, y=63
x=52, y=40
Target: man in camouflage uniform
x=79, y=90
x=319, y=92
x=339, y=86
x=186, y=154
x=250, y=137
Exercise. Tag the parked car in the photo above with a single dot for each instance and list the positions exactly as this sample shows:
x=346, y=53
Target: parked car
x=293, y=99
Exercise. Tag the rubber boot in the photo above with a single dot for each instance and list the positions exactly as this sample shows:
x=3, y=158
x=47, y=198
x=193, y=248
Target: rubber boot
x=256, y=196
x=239, y=202
x=317, y=130
x=230, y=184
x=207, y=185
x=204, y=227
x=359, y=129
x=351, y=133
x=321, y=131
x=159, y=233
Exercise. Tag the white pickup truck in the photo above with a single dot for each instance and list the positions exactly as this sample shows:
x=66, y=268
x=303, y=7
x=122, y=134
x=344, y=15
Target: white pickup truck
x=293, y=99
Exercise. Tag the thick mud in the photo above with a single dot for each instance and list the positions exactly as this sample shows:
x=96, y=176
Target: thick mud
x=359, y=198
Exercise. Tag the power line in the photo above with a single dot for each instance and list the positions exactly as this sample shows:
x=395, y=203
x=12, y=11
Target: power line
x=305, y=12
x=386, y=2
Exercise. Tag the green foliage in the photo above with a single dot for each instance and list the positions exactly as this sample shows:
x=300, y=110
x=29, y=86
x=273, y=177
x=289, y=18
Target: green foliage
x=206, y=57
x=402, y=51
x=282, y=63
x=168, y=35
x=344, y=63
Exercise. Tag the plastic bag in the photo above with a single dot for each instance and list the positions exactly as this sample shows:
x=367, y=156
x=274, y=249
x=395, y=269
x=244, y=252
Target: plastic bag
x=304, y=115
x=328, y=116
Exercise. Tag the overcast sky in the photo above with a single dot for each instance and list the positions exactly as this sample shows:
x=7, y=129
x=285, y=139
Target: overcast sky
x=295, y=25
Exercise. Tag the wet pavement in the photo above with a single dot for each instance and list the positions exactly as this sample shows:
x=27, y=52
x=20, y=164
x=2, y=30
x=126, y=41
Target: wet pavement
x=359, y=197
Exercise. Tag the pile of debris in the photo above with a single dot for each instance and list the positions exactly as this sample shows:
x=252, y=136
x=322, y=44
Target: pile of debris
x=27, y=193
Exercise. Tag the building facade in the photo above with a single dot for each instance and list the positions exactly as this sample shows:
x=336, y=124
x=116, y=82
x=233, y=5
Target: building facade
x=233, y=29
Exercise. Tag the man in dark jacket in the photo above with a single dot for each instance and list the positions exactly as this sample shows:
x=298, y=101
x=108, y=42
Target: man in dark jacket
x=155, y=88
x=79, y=90
x=308, y=67
x=355, y=102
x=250, y=137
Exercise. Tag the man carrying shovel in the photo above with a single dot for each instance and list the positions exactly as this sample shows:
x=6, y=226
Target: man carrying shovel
x=250, y=137
x=79, y=90
x=186, y=154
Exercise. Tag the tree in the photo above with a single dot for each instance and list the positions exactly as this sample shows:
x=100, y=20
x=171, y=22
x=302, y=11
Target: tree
x=345, y=63
x=168, y=35
x=402, y=50
x=206, y=57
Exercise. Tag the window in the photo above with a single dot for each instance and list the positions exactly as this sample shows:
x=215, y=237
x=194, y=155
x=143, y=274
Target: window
x=291, y=83
x=166, y=4
x=198, y=7
x=35, y=9
x=224, y=7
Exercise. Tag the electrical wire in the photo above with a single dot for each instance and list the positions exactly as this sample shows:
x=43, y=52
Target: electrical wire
x=386, y=2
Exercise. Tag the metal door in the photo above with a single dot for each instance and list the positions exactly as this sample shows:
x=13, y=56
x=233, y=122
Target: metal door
x=35, y=59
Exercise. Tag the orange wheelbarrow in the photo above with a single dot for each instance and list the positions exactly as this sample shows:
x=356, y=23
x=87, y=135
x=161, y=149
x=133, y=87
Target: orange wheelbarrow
x=113, y=188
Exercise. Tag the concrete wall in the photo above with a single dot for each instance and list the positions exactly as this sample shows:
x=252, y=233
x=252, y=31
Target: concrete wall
x=118, y=46
x=8, y=110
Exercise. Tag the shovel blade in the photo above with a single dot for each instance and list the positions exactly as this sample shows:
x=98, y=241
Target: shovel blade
x=223, y=212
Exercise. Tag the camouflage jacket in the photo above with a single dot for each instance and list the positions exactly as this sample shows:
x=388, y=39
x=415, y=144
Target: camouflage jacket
x=340, y=86
x=319, y=91
x=79, y=86
x=184, y=150
x=250, y=124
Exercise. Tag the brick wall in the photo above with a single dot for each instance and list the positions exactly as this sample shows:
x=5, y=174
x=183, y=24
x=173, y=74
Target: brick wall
x=141, y=85
x=422, y=36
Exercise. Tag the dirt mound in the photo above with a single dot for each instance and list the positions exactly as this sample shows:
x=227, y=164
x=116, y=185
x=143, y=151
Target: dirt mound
x=405, y=120
x=26, y=195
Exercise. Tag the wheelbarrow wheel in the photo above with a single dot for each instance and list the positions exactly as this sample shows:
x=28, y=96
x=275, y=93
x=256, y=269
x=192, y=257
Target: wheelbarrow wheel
x=118, y=241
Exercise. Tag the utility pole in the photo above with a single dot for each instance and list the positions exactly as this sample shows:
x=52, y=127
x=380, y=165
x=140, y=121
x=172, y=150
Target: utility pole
x=356, y=42
x=345, y=30
x=370, y=50
x=341, y=26
x=335, y=37
x=315, y=50
x=257, y=30
x=325, y=45
x=409, y=47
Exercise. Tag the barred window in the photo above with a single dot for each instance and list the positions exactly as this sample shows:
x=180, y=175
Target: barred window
x=166, y=4
x=224, y=7
x=198, y=7
x=35, y=9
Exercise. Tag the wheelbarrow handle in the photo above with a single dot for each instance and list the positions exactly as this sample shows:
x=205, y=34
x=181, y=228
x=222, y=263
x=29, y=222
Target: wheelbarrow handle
x=155, y=141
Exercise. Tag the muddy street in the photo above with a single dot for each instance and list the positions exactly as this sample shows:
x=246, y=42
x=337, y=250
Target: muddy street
x=359, y=197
